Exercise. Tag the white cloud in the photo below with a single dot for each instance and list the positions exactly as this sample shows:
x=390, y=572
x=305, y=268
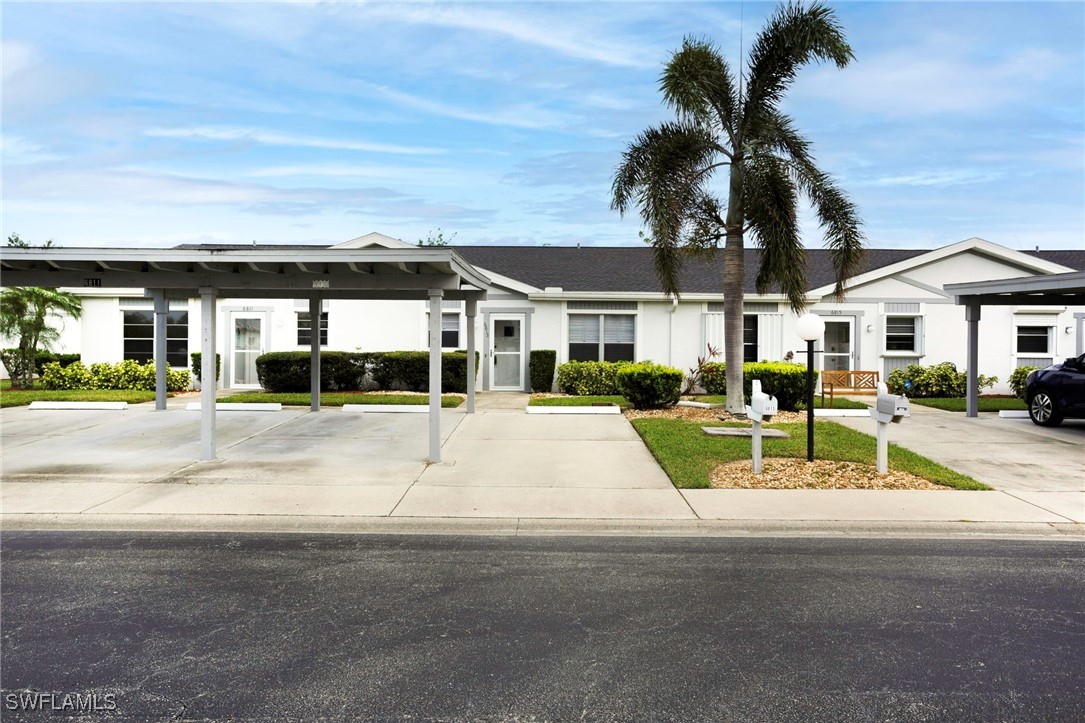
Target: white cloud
x=574, y=41
x=272, y=138
x=17, y=58
x=948, y=177
x=18, y=150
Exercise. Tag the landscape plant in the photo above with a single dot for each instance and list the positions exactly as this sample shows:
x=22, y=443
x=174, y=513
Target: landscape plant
x=1017, y=379
x=735, y=120
x=542, y=364
x=29, y=316
x=783, y=380
x=589, y=378
x=938, y=380
x=125, y=375
x=649, y=386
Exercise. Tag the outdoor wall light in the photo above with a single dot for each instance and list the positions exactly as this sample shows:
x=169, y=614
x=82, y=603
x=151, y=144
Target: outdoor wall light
x=870, y=327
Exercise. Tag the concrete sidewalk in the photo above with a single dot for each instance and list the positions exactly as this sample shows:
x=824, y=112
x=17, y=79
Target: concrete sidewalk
x=505, y=472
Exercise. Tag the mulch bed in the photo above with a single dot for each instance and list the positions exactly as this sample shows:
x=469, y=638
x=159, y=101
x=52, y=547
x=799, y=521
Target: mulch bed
x=788, y=473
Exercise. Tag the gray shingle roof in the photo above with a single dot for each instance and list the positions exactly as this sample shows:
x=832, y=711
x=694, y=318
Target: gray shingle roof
x=629, y=268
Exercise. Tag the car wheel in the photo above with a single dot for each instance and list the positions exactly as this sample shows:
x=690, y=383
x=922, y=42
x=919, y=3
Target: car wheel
x=1041, y=408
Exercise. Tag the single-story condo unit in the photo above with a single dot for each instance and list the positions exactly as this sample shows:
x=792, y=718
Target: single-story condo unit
x=605, y=303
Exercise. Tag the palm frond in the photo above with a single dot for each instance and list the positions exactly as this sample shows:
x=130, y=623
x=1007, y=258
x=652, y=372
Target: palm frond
x=698, y=84
x=794, y=36
x=771, y=200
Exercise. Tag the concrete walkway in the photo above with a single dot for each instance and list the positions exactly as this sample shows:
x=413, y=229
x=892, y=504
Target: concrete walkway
x=505, y=472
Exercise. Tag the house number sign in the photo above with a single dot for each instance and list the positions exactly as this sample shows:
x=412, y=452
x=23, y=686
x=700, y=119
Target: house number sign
x=321, y=284
x=91, y=281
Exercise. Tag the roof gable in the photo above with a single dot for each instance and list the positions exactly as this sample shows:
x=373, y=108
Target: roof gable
x=372, y=239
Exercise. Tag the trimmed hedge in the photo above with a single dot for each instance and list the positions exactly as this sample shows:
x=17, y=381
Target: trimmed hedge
x=288, y=371
x=785, y=381
x=12, y=359
x=1018, y=377
x=542, y=365
x=589, y=378
x=649, y=386
x=939, y=380
x=196, y=358
x=128, y=374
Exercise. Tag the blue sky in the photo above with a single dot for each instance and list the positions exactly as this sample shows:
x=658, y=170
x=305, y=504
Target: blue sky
x=154, y=124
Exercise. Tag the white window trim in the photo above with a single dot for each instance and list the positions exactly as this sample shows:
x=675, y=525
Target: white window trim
x=920, y=334
x=563, y=353
x=174, y=305
x=297, y=328
x=1052, y=338
x=451, y=312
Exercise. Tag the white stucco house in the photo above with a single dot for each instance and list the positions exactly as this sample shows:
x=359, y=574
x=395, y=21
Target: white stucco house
x=605, y=303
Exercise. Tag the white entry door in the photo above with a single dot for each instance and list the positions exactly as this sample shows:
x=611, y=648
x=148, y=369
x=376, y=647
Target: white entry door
x=838, y=344
x=507, y=355
x=247, y=343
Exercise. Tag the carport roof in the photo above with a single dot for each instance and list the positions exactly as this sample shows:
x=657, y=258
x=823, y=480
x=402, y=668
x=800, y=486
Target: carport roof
x=358, y=273
x=1058, y=289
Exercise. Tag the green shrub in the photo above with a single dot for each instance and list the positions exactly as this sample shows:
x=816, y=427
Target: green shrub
x=649, y=386
x=288, y=371
x=1017, y=379
x=196, y=359
x=939, y=380
x=12, y=360
x=783, y=380
x=589, y=378
x=127, y=375
x=543, y=362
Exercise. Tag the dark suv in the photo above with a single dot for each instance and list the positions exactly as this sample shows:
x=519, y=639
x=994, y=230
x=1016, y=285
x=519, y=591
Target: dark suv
x=1057, y=392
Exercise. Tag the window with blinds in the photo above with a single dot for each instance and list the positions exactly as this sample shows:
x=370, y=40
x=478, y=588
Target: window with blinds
x=1033, y=340
x=602, y=337
x=305, y=328
x=450, y=331
x=138, y=332
x=900, y=333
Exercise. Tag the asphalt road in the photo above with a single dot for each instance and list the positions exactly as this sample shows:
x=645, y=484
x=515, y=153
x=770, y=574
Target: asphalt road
x=291, y=627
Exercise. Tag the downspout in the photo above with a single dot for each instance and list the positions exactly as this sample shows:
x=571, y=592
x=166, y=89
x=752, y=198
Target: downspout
x=670, y=332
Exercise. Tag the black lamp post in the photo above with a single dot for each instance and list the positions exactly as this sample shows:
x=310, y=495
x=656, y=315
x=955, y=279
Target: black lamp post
x=810, y=328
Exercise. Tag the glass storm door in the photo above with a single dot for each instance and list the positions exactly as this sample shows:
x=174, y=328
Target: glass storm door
x=838, y=344
x=248, y=343
x=507, y=371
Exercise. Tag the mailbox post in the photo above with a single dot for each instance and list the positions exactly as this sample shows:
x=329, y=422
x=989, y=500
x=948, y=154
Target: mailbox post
x=762, y=408
x=889, y=409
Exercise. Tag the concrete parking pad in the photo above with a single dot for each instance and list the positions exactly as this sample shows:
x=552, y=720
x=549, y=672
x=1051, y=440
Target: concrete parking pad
x=866, y=505
x=532, y=502
x=249, y=499
x=58, y=497
x=1008, y=454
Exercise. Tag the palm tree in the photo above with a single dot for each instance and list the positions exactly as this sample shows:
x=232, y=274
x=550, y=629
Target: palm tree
x=24, y=317
x=667, y=172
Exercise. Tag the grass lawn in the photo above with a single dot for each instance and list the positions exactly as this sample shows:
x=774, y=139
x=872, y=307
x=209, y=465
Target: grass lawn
x=338, y=399
x=986, y=404
x=585, y=401
x=688, y=455
x=840, y=403
x=21, y=397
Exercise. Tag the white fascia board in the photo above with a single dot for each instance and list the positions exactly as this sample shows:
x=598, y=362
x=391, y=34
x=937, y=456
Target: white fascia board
x=507, y=282
x=979, y=245
x=644, y=296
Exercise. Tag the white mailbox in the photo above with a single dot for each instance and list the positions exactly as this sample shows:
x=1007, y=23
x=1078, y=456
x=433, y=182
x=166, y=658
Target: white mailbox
x=762, y=407
x=889, y=407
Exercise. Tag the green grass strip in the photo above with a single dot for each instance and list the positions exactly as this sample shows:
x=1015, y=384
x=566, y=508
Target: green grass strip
x=985, y=404
x=21, y=397
x=338, y=399
x=688, y=455
x=585, y=401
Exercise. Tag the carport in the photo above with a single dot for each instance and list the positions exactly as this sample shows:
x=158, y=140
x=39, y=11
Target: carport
x=430, y=274
x=1057, y=289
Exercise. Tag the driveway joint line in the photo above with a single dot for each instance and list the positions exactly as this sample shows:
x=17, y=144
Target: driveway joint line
x=1039, y=507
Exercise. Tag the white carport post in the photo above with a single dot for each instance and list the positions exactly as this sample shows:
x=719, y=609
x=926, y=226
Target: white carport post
x=435, y=297
x=972, y=316
x=472, y=311
x=161, y=306
x=207, y=373
x=314, y=352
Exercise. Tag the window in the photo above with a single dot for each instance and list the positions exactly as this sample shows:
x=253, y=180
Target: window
x=1033, y=339
x=900, y=334
x=749, y=338
x=139, y=336
x=305, y=329
x=601, y=337
x=450, y=331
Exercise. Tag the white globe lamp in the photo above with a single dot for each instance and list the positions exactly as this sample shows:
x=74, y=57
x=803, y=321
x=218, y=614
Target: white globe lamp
x=810, y=327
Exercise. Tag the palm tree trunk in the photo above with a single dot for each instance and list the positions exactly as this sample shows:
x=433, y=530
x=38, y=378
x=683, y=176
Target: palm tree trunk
x=734, y=282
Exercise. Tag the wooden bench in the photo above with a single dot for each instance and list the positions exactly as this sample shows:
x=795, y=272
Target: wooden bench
x=848, y=381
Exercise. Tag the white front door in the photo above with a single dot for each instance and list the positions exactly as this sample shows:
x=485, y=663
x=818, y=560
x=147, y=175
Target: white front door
x=507, y=355
x=838, y=344
x=247, y=343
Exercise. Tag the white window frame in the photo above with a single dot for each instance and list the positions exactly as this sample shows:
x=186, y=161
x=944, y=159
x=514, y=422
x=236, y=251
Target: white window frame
x=635, y=314
x=140, y=304
x=459, y=329
x=917, y=349
x=1019, y=324
x=299, y=327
